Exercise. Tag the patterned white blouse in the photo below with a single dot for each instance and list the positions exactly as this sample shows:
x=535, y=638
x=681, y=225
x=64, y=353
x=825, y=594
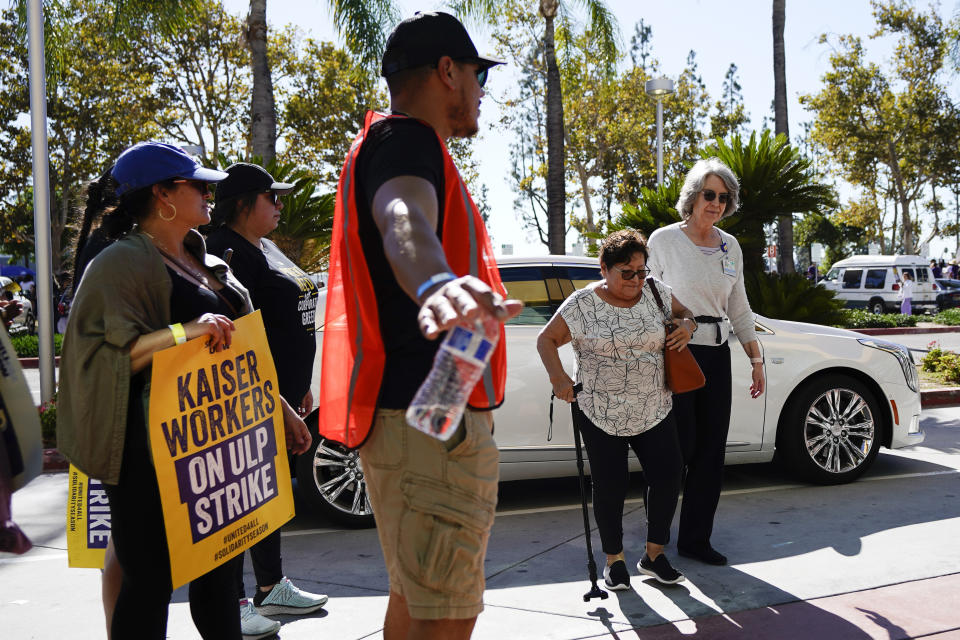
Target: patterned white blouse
x=620, y=359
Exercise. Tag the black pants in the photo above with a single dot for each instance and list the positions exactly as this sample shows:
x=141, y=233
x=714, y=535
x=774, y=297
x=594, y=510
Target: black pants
x=140, y=540
x=703, y=421
x=267, y=563
x=658, y=451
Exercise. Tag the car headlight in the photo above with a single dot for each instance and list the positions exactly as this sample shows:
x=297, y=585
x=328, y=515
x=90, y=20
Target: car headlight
x=903, y=356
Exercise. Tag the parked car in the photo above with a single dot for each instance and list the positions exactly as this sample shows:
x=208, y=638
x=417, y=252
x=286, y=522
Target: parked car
x=26, y=320
x=833, y=398
x=948, y=296
x=873, y=282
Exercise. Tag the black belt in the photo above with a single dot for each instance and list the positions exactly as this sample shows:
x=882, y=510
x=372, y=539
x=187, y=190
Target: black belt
x=710, y=320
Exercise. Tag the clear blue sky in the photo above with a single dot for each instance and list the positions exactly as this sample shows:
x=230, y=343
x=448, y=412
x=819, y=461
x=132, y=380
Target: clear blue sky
x=720, y=32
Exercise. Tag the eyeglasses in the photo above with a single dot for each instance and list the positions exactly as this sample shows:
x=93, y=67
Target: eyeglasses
x=630, y=274
x=273, y=197
x=482, y=76
x=710, y=194
x=199, y=185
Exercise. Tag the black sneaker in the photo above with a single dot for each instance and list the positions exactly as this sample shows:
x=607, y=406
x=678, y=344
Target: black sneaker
x=616, y=576
x=705, y=553
x=660, y=569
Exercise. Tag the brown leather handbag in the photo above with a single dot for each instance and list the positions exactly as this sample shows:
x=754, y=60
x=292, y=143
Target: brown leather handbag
x=683, y=374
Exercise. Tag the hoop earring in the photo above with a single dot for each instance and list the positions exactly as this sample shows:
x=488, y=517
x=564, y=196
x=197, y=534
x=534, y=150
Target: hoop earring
x=163, y=217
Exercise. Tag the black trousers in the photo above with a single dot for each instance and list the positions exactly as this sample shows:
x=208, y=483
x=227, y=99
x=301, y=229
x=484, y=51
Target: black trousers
x=658, y=451
x=140, y=540
x=267, y=563
x=703, y=421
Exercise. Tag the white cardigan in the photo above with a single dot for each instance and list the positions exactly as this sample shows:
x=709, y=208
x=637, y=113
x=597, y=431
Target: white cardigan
x=700, y=283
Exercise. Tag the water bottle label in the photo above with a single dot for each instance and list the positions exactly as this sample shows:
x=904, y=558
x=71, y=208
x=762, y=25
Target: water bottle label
x=468, y=345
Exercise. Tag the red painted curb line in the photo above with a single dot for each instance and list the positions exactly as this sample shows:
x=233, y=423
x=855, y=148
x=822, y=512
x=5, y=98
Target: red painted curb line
x=34, y=363
x=939, y=397
x=906, y=330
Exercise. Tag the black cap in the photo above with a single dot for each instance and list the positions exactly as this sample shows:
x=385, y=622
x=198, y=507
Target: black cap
x=425, y=38
x=244, y=177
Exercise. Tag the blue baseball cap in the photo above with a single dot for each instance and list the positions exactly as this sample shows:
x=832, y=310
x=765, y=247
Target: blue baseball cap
x=148, y=163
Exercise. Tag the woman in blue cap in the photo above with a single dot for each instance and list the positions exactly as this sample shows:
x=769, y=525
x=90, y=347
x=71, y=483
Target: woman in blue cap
x=153, y=287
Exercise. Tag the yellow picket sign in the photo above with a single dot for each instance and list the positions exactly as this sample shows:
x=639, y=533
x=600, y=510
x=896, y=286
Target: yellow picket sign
x=216, y=433
x=88, y=521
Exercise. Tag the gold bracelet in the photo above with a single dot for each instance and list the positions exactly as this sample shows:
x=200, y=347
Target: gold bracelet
x=179, y=335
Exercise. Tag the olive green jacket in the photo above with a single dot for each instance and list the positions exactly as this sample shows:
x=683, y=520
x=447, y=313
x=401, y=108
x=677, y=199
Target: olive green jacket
x=124, y=293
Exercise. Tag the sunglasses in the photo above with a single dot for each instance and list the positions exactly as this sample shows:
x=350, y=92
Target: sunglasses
x=710, y=194
x=630, y=274
x=482, y=76
x=203, y=187
x=273, y=197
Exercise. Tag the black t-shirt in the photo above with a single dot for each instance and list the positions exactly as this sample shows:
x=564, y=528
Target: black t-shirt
x=286, y=297
x=397, y=147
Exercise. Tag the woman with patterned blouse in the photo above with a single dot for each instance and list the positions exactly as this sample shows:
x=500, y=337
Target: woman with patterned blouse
x=618, y=335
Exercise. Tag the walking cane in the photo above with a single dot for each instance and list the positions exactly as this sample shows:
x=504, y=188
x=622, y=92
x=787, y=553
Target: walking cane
x=595, y=591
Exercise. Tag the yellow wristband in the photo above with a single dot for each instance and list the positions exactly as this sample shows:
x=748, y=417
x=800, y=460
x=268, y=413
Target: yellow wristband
x=179, y=335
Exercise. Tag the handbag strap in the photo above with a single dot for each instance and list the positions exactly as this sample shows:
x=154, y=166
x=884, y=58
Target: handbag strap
x=656, y=296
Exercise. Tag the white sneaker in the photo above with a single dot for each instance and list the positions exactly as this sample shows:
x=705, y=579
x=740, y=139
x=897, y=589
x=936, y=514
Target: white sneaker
x=288, y=599
x=254, y=626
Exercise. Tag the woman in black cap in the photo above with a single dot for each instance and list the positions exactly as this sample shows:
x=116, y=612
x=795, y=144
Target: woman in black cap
x=152, y=288
x=248, y=208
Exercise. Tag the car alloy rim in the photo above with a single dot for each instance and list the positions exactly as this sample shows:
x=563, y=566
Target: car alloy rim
x=839, y=430
x=339, y=478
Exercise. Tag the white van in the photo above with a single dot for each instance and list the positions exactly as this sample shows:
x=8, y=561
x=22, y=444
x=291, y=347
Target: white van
x=873, y=282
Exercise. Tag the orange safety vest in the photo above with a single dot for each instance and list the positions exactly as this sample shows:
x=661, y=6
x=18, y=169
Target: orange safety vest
x=353, y=352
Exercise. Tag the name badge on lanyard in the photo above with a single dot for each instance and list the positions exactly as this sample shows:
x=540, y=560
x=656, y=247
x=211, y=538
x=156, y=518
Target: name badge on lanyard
x=729, y=265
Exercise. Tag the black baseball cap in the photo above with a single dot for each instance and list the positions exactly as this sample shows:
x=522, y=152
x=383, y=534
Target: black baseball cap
x=425, y=38
x=243, y=177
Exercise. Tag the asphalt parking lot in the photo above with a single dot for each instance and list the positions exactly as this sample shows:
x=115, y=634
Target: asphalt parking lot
x=874, y=559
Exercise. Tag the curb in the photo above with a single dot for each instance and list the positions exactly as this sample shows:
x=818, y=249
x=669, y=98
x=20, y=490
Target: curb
x=34, y=363
x=885, y=331
x=939, y=397
x=53, y=460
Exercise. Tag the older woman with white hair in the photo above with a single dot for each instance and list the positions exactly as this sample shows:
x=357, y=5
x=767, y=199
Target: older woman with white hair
x=704, y=266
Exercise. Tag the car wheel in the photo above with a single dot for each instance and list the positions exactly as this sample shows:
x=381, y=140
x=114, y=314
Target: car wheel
x=31, y=323
x=330, y=477
x=877, y=306
x=830, y=431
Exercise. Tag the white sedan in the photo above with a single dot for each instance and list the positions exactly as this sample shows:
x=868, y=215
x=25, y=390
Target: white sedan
x=833, y=398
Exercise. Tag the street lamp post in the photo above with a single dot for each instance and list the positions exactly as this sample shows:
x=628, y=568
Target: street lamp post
x=658, y=88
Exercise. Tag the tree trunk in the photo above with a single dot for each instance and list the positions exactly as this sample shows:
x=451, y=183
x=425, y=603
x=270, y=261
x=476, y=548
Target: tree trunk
x=906, y=226
x=556, y=187
x=782, y=125
x=587, y=205
x=263, y=115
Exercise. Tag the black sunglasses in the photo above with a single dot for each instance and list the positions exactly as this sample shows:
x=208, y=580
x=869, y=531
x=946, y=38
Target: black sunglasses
x=205, y=188
x=630, y=274
x=710, y=194
x=482, y=76
x=273, y=196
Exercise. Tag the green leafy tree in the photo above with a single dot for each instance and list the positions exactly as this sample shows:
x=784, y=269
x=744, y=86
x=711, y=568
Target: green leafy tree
x=327, y=93
x=897, y=118
x=203, y=77
x=104, y=104
x=774, y=178
x=730, y=116
x=603, y=25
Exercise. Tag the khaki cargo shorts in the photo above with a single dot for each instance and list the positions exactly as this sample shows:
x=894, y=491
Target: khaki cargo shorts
x=434, y=504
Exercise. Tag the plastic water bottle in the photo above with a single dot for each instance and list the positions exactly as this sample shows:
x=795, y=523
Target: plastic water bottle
x=458, y=366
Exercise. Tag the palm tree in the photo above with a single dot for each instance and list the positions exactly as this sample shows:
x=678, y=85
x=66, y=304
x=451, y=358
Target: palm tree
x=774, y=178
x=782, y=126
x=362, y=24
x=605, y=30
